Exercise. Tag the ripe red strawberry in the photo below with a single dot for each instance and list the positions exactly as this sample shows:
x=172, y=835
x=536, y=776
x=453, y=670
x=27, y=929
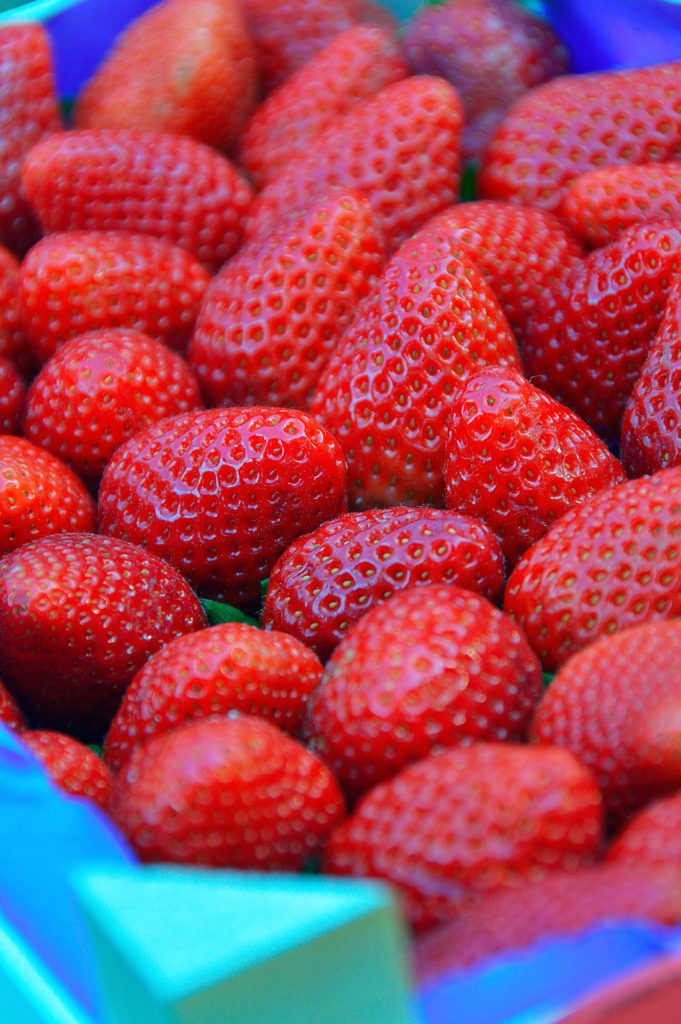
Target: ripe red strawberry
x=616, y=707
x=221, y=494
x=492, y=51
x=612, y=562
x=152, y=183
x=386, y=392
x=469, y=821
x=28, y=112
x=101, y=389
x=72, y=766
x=79, y=616
x=432, y=667
x=577, y=123
x=518, y=459
x=273, y=316
x=653, y=836
x=12, y=393
x=327, y=580
x=230, y=792
x=81, y=281
x=354, y=65
x=589, y=336
x=39, y=495
x=185, y=66
x=13, y=342
x=232, y=667
x=399, y=148
x=560, y=904
x=10, y=715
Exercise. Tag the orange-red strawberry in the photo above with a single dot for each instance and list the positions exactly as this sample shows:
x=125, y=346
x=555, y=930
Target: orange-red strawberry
x=612, y=562
x=10, y=715
x=653, y=836
x=12, y=393
x=230, y=667
x=327, y=580
x=577, y=123
x=101, y=389
x=274, y=314
x=230, y=792
x=72, y=766
x=13, y=342
x=430, y=668
x=81, y=281
x=469, y=821
x=152, y=183
x=185, y=66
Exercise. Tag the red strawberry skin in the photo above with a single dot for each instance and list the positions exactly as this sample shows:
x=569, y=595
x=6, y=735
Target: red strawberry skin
x=518, y=459
x=616, y=706
x=10, y=715
x=577, y=123
x=610, y=563
x=231, y=667
x=152, y=183
x=12, y=394
x=13, y=342
x=432, y=667
x=229, y=792
x=275, y=313
x=399, y=148
x=101, y=389
x=355, y=65
x=653, y=836
x=469, y=821
x=79, y=616
x=72, y=766
x=327, y=580
x=81, y=281
x=221, y=494
x=185, y=67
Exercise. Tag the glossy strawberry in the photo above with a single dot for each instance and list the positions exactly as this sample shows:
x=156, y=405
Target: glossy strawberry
x=612, y=562
x=327, y=580
x=275, y=313
x=10, y=715
x=185, y=66
x=577, y=123
x=469, y=821
x=12, y=393
x=82, y=281
x=171, y=187
x=230, y=792
x=13, y=342
x=101, y=389
x=39, y=495
x=354, y=65
x=653, y=836
x=221, y=494
x=79, y=616
x=518, y=459
x=386, y=392
x=231, y=667
x=399, y=148
x=72, y=766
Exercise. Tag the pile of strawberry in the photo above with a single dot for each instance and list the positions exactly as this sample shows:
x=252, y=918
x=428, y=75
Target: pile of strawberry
x=253, y=344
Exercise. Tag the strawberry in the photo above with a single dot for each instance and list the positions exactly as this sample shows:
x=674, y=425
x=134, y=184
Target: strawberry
x=327, y=580
x=399, y=148
x=10, y=715
x=13, y=342
x=99, y=390
x=653, y=836
x=518, y=459
x=273, y=316
x=432, y=667
x=81, y=281
x=354, y=65
x=229, y=792
x=221, y=494
x=39, y=495
x=152, y=183
x=612, y=562
x=185, y=66
x=469, y=821
x=492, y=51
x=12, y=393
x=616, y=705
x=577, y=123
x=28, y=111
x=386, y=392
x=230, y=667
x=79, y=616
x=589, y=336
x=72, y=766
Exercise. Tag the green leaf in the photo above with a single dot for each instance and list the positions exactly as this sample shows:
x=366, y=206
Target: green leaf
x=469, y=183
x=218, y=613
x=95, y=748
x=548, y=678
x=264, y=584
